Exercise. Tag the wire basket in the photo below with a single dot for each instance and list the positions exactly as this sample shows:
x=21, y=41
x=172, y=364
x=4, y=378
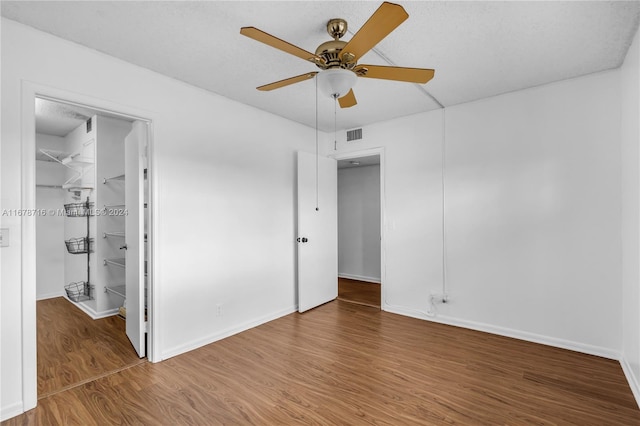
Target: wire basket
x=79, y=245
x=78, y=291
x=78, y=209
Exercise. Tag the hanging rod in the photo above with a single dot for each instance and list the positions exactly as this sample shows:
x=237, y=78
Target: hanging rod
x=113, y=234
x=120, y=290
x=115, y=262
x=72, y=187
x=40, y=185
x=114, y=206
x=119, y=177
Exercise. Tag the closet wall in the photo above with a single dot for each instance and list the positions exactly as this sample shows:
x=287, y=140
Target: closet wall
x=110, y=223
x=50, y=250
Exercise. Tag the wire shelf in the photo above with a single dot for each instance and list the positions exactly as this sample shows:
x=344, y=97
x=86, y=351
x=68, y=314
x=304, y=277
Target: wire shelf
x=79, y=245
x=113, y=178
x=78, y=209
x=118, y=234
x=78, y=291
x=120, y=262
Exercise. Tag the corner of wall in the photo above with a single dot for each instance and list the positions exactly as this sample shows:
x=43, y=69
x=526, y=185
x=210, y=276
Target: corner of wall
x=630, y=220
x=633, y=381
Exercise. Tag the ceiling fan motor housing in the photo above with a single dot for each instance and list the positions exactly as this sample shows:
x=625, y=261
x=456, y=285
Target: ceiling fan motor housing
x=330, y=52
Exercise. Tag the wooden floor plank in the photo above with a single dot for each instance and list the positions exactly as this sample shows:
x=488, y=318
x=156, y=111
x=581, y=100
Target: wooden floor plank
x=363, y=293
x=73, y=348
x=345, y=363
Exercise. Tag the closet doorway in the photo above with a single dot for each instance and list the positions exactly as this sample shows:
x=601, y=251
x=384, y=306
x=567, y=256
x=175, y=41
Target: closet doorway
x=360, y=213
x=91, y=233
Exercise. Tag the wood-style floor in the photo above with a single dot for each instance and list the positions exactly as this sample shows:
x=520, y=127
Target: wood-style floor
x=73, y=348
x=350, y=364
x=359, y=292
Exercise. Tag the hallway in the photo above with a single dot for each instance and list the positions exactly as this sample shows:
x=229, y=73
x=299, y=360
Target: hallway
x=360, y=292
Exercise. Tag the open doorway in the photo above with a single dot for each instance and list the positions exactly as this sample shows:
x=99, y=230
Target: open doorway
x=360, y=230
x=90, y=266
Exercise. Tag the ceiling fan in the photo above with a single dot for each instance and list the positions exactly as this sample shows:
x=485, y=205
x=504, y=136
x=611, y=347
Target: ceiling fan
x=338, y=60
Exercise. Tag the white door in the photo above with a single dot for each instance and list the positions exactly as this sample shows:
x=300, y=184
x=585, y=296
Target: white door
x=317, y=231
x=134, y=145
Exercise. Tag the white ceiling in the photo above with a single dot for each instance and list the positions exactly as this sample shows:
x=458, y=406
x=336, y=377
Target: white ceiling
x=478, y=48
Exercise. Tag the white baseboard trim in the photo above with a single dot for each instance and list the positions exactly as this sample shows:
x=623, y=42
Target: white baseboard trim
x=631, y=379
x=92, y=312
x=359, y=278
x=195, y=344
x=508, y=332
x=50, y=295
x=12, y=410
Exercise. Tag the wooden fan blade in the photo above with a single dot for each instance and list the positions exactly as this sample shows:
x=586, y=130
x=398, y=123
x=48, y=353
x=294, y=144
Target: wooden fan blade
x=412, y=75
x=287, y=81
x=348, y=100
x=273, y=41
x=384, y=20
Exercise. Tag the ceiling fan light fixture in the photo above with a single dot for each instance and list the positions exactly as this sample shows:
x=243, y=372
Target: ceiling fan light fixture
x=336, y=82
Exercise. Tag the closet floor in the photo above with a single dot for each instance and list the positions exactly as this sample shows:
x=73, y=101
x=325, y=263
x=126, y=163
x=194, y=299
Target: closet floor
x=360, y=292
x=74, y=349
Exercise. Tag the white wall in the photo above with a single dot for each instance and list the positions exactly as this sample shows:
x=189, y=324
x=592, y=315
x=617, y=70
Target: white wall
x=225, y=199
x=630, y=93
x=532, y=213
x=50, y=249
x=413, y=210
x=359, y=223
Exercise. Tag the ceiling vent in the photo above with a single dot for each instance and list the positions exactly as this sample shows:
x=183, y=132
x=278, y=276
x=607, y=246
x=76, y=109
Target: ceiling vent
x=354, y=135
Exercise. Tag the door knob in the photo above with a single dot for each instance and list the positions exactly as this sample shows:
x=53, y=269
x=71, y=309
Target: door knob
x=123, y=247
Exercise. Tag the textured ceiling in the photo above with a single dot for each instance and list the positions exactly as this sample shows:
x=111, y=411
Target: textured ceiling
x=478, y=49
x=58, y=119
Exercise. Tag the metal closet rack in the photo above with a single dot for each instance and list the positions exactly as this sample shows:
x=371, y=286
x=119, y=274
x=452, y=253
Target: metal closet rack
x=120, y=289
x=80, y=290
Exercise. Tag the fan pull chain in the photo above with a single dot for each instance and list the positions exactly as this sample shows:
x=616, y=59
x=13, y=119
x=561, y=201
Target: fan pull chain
x=335, y=138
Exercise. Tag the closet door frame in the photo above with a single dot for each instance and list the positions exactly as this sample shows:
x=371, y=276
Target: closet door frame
x=31, y=91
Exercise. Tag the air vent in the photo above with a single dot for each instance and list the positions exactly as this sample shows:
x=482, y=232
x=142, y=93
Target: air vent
x=354, y=135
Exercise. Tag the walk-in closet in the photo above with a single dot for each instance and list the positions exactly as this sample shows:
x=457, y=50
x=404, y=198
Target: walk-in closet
x=91, y=225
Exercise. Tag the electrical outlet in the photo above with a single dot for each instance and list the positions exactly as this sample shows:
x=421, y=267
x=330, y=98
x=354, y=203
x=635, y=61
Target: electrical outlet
x=219, y=310
x=435, y=298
